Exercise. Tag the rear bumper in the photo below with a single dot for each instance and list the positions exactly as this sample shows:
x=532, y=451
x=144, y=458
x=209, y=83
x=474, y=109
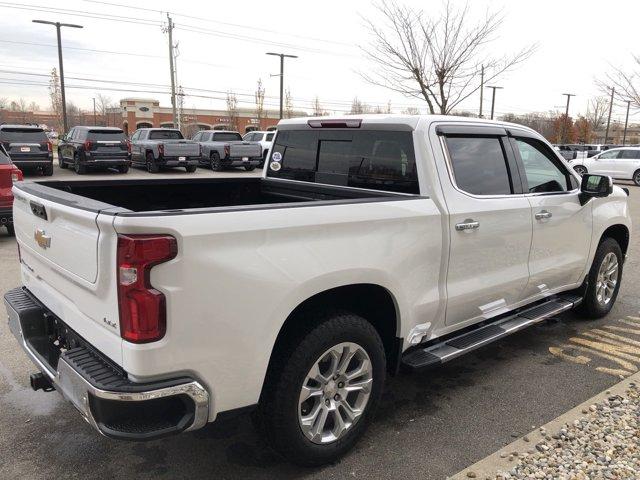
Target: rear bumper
x=100, y=390
x=23, y=163
x=239, y=162
x=176, y=162
x=106, y=162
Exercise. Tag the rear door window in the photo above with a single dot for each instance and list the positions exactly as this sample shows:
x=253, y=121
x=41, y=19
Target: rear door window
x=105, y=135
x=377, y=160
x=165, y=135
x=630, y=154
x=23, y=135
x=479, y=165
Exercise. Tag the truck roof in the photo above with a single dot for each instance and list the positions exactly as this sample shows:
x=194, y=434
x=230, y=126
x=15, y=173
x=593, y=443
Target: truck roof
x=410, y=121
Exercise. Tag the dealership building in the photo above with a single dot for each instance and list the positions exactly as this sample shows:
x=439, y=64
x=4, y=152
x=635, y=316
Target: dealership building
x=135, y=113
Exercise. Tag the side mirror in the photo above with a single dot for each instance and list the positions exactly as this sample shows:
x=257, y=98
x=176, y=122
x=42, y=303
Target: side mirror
x=595, y=186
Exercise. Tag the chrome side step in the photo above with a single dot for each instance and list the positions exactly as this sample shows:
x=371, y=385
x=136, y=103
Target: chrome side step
x=436, y=354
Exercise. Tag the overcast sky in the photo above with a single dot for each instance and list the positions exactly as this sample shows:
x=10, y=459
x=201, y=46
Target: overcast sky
x=222, y=47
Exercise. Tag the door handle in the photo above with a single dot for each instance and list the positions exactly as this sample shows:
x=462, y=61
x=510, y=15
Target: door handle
x=543, y=215
x=467, y=225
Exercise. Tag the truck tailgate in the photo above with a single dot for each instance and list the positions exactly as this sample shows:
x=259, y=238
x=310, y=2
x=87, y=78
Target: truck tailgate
x=245, y=149
x=184, y=148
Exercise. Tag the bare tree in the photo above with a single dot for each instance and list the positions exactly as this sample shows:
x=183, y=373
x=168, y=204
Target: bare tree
x=55, y=97
x=411, y=111
x=232, y=110
x=597, y=112
x=358, y=107
x=103, y=104
x=626, y=83
x=318, y=111
x=34, y=107
x=259, y=97
x=436, y=58
x=3, y=103
x=288, y=104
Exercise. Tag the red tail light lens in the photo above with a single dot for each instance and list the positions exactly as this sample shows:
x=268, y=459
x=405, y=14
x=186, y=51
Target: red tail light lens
x=143, y=311
x=347, y=123
x=161, y=149
x=49, y=147
x=128, y=144
x=16, y=175
x=87, y=145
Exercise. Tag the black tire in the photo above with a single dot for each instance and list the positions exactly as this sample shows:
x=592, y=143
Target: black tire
x=216, y=164
x=48, y=170
x=580, y=169
x=636, y=178
x=152, y=166
x=279, y=405
x=123, y=168
x=250, y=168
x=590, y=305
x=61, y=162
x=78, y=167
x=191, y=168
x=11, y=229
x=264, y=158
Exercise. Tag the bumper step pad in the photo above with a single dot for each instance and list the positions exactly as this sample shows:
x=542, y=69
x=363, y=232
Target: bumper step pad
x=435, y=354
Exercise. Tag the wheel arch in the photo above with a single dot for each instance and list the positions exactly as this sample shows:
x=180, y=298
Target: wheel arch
x=373, y=302
x=620, y=233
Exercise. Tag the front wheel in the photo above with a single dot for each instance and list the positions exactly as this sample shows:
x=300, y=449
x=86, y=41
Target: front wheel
x=580, y=170
x=636, y=178
x=603, y=280
x=321, y=394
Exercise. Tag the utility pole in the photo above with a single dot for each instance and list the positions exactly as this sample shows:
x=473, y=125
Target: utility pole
x=170, y=26
x=282, y=56
x=626, y=123
x=62, y=92
x=606, y=135
x=95, y=122
x=493, y=99
x=566, y=117
x=481, y=89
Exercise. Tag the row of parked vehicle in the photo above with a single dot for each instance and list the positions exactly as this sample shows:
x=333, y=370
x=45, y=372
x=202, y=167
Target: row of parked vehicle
x=621, y=163
x=86, y=148
x=573, y=151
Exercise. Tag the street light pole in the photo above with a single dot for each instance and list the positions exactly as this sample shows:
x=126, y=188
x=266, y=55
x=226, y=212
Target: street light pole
x=95, y=122
x=62, y=92
x=606, y=134
x=566, y=116
x=626, y=123
x=282, y=57
x=493, y=98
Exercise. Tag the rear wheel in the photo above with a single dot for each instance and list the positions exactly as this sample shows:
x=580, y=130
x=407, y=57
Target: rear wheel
x=580, y=169
x=636, y=178
x=250, y=168
x=603, y=280
x=11, y=229
x=47, y=171
x=321, y=394
x=216, y=164
x=123, y=168
x=191, y=168
x=78, y=167
x=152, y=166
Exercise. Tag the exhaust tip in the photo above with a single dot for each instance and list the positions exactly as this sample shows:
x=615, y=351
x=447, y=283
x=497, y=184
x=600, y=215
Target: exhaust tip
x=39, y=381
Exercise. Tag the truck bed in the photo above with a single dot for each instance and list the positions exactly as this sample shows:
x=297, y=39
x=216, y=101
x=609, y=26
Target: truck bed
x=174, y=196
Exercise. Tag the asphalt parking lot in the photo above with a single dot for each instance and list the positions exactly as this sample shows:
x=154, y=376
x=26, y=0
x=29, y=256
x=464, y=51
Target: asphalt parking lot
x=430, y=425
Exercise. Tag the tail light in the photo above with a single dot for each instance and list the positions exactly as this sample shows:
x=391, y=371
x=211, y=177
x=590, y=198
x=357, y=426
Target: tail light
x=16, y=175
x=227, y=150
x=127, y=145
x=347, y=123
x=49, y=147
x=87, y=145
x=143, y=311
x=161, y=149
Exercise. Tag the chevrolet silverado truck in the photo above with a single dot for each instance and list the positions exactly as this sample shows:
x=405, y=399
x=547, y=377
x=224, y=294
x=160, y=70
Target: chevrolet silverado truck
x=158, y=148
x=369, y=244
x=222, y=149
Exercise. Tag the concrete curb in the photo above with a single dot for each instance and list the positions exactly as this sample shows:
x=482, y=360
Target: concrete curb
x=504, y=459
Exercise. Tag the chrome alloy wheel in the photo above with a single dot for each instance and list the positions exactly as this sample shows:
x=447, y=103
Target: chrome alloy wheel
x=335, y=393
x=607, y=278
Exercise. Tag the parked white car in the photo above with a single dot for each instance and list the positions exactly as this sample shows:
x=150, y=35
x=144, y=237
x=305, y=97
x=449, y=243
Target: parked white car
x=264, y=137
x=368, y=244
x=619, y=163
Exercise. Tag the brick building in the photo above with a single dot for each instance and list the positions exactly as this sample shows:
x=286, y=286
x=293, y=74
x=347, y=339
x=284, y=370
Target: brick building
x=143, y=113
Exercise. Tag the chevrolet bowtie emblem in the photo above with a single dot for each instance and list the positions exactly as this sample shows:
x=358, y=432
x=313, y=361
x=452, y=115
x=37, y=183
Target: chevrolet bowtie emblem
x=41, y=238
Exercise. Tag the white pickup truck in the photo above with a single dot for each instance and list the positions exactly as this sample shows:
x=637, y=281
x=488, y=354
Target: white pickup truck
x=369, y=244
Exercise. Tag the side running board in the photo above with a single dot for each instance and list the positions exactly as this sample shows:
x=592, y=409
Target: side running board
x=438, y=353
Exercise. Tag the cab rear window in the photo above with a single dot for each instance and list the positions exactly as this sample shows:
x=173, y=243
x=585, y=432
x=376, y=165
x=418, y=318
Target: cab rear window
x=226, y=137
x=106, y=135
x=165, y=135
x=373, y=159
x=24, y=135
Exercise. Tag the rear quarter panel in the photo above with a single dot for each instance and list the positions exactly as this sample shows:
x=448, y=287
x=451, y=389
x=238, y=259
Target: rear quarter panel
x=238, y=276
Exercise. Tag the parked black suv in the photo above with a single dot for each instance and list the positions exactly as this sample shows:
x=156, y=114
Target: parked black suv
x=28, y=147
x=94, y=147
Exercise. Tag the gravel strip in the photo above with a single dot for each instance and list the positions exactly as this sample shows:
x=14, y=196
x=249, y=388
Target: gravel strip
x=602, y=444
